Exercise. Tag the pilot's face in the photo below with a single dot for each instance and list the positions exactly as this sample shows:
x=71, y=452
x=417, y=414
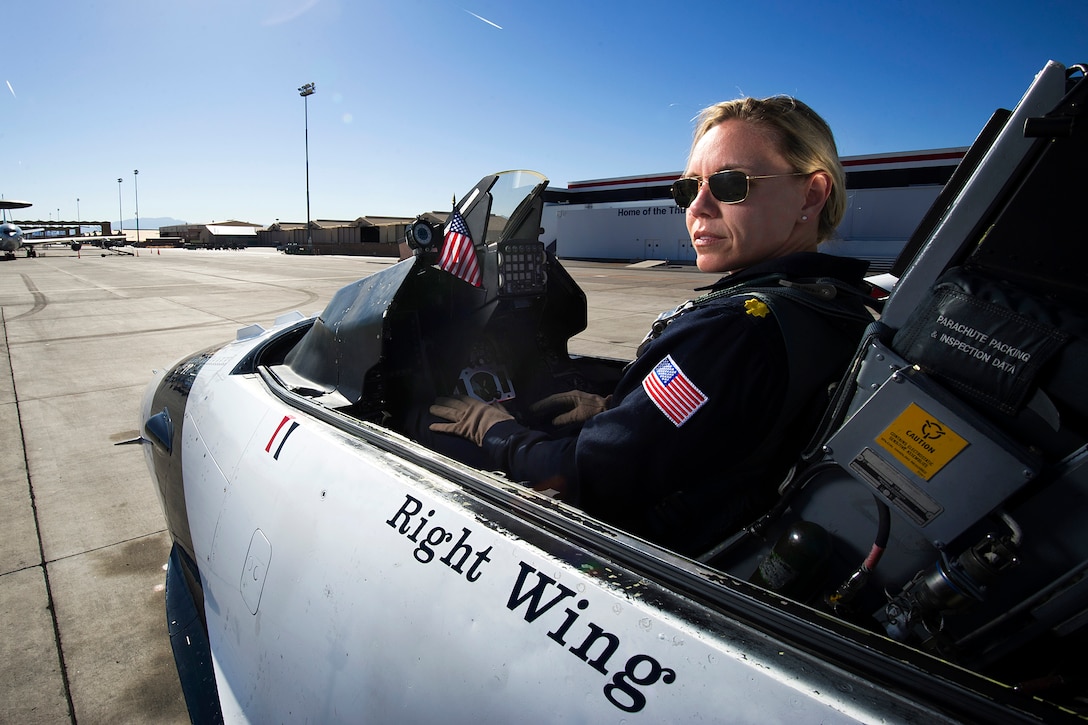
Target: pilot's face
x=768, y=223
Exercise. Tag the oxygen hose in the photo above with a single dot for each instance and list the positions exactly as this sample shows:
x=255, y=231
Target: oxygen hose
x=857, y=581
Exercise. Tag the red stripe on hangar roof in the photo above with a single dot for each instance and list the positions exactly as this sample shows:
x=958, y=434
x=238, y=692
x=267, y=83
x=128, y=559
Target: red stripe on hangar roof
x=623, y=182
x=912, y=158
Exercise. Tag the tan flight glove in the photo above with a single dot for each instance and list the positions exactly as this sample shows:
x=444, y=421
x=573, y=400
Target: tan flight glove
x=469, y=418
x=573, y=406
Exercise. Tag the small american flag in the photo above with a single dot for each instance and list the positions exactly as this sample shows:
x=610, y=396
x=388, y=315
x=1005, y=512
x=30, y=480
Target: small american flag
x=673, y=392
x=458, y=256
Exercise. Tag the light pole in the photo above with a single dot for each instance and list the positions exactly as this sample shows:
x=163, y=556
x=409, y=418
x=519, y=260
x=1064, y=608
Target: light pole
x=79, y=220
x=120, y=212
x=306, y=91
x=136, y=190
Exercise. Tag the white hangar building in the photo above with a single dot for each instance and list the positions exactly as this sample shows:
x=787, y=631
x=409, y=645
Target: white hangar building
x=634, y=218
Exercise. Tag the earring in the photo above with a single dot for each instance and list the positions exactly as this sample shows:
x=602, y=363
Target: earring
x=804, y=217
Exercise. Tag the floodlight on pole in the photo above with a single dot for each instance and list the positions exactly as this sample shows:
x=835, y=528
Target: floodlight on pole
x=306, y=91
x=136, y=190
x=120, y=209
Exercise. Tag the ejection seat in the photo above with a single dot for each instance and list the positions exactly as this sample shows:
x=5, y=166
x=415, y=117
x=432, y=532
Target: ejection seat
x=943, y=500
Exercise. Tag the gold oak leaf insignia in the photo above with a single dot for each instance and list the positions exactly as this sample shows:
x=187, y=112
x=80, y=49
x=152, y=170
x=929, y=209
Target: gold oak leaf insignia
x=756, y=308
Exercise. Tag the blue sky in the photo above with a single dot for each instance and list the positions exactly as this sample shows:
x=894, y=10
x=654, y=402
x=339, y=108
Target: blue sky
x=417, y=99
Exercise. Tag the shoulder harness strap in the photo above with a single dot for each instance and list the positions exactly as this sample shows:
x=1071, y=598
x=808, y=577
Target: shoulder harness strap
x=814, y=342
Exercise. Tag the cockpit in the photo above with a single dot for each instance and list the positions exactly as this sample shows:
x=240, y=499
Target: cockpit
x=400, y=338
x=942, y=503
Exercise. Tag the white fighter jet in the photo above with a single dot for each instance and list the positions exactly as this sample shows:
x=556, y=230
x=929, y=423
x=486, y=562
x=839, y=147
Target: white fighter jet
x=926, y=560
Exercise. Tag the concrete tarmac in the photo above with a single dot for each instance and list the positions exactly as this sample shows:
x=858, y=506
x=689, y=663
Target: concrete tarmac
x=83, y=543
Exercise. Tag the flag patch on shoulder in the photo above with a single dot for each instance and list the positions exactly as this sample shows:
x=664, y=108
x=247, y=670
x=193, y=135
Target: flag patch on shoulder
x=672, y=392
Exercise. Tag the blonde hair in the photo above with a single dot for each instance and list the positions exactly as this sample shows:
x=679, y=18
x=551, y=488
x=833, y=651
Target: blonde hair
x=804, y=139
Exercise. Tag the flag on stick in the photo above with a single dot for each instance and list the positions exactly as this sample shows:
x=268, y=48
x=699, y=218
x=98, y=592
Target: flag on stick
x=458, y=257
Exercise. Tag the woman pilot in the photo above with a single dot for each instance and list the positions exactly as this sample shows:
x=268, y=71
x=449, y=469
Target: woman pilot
x=705, y=422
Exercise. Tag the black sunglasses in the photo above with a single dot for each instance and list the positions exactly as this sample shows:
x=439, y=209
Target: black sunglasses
x=729, y=186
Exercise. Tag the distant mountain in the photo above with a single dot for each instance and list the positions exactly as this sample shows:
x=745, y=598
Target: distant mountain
x=151, y=222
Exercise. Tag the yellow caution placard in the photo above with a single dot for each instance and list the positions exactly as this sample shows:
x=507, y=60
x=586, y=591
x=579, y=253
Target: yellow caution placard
x=920, y=442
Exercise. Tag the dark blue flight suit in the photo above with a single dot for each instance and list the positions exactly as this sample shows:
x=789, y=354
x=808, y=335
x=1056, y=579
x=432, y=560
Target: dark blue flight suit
x=696, y=437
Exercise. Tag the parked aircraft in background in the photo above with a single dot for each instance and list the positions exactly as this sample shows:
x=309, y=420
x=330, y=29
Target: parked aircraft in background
x=12, y=236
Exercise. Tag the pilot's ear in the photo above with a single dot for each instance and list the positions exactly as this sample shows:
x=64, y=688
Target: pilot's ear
x=817, y=191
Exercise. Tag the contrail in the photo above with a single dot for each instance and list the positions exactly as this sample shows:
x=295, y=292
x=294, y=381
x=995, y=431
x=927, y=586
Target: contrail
x=483, y=19
x=13, y=90
x=291, y=14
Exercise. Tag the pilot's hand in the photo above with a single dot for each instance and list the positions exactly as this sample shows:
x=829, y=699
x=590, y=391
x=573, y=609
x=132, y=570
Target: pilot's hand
x=572, y=406
x=469, y=418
